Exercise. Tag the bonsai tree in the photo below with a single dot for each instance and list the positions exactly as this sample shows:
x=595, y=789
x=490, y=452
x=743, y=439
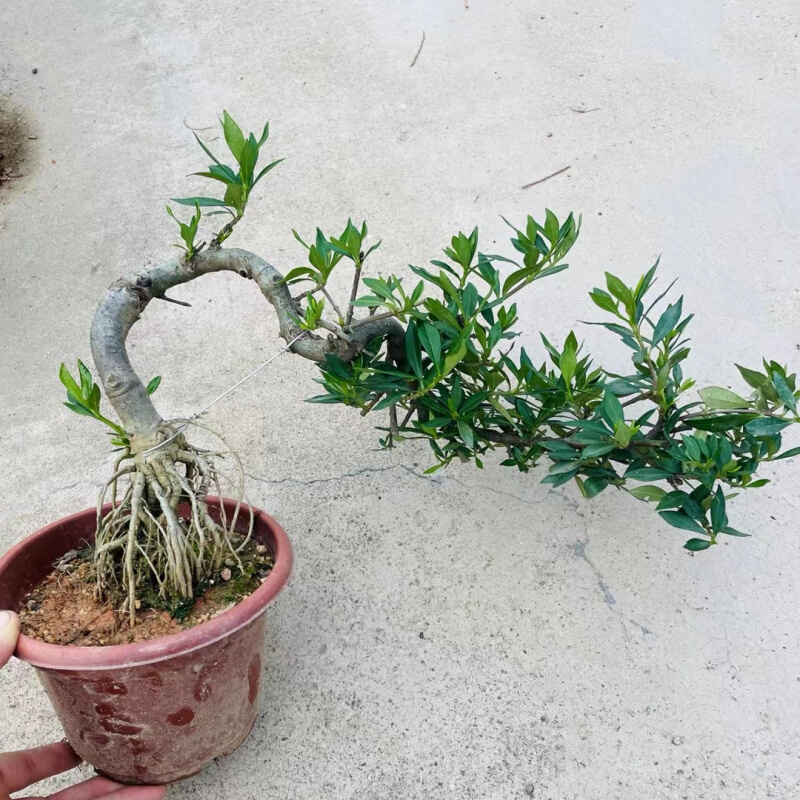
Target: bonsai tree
x=437, y=354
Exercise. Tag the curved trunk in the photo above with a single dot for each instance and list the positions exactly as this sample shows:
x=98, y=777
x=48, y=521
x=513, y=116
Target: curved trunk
x=128, y=297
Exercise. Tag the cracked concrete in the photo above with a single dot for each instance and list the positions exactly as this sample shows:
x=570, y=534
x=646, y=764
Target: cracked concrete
x=356, y=473
x=579, y=551
x=533, y=668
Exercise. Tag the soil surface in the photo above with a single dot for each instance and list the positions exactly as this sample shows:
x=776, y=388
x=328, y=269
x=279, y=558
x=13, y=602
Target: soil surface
x=64, y=608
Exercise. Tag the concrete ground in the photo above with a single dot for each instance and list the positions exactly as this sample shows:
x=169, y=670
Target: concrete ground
x=471, y=634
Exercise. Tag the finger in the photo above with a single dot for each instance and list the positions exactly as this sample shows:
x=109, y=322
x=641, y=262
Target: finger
x=138, y=793
x=25, y=767
x=9, y=633
x=88, y=790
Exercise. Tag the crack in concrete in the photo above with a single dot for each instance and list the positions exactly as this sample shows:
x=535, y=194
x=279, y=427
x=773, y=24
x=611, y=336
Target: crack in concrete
x=579, y=551
x=83, y=482
x=345, y=475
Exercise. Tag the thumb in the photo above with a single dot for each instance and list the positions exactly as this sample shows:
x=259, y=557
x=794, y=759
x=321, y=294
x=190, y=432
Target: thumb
x=9, y=633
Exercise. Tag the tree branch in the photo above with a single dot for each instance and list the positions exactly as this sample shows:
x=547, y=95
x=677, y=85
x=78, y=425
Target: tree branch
x=353, y=294
x=369, y=320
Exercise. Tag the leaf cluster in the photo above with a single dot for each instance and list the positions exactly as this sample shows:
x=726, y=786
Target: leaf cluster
x=460, y=388
x=239, y=183
x=83, y=397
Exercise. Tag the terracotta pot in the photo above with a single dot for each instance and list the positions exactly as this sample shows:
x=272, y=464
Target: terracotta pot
x=155, y=711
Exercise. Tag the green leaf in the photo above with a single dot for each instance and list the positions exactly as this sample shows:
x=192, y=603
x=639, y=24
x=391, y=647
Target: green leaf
x=603, y=300
x=453, y=358
x=551, y=226
x=203, y=202
x=680, y=520
x=560, y=479
x=517, y=277
x=413, y=351
x=86, y=379
x=69, y=382
x=234, y=196
x=593, y=486
x=264, y=134
x=795, y=451
x=367, y=301
x=465, y=432
x=696, y=545
x=719, y=519
x=94, y=399
x=560, y=467
x=733, y=532
x=208, y=152
x=568, y=362
x=766, y=426
x=667, y=321
x=647, y=474
x=324, y=398
x=717, y=397
x=154, y=384
x=622, y=434
x=648, y=492
x=753, y=378
x=620, y=291
x=596, y=450
x=504, y=411
x=233, y=135
x=432, y=342
x=784, y=392
x=217, y=176
x=721, y=422
x=79, y=409
x=247, y=160
x=300, y=273
x=674, y=500
x=692, y=445
x=611, y=409
x=441, y=312
x=266, y=170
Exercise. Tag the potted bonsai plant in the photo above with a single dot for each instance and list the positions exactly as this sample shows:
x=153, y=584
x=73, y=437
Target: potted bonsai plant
x=437, y=355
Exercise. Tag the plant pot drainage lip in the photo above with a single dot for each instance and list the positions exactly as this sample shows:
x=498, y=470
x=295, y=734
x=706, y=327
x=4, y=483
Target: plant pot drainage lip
x=121, y=656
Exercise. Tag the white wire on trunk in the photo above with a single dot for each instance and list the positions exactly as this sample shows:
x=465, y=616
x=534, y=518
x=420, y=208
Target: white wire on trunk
x=236, y=385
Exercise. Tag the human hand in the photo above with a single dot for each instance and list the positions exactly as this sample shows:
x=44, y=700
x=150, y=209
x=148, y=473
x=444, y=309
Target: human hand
x=25, y=767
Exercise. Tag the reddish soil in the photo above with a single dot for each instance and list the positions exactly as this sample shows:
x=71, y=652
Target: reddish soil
x=64, y=609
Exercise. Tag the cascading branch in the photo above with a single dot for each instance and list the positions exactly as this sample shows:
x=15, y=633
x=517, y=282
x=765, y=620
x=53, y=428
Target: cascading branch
x=441, y=353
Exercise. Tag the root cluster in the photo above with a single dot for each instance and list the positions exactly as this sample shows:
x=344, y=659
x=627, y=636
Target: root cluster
x=158, y=530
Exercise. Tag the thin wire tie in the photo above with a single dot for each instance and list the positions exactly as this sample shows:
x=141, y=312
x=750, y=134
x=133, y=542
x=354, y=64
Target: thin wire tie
x=236, y=385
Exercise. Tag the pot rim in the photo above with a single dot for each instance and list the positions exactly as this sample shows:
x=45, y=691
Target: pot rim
x=137, y=654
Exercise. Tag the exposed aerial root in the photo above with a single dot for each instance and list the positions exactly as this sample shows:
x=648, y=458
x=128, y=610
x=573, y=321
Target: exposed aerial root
x=160, y=532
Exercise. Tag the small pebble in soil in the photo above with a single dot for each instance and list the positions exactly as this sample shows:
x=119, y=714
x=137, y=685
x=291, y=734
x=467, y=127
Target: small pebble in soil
x=677, y=740
x=529, y=789
x=226, y=574
x=34, y=70
x=229, y=562
x=261, y=549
